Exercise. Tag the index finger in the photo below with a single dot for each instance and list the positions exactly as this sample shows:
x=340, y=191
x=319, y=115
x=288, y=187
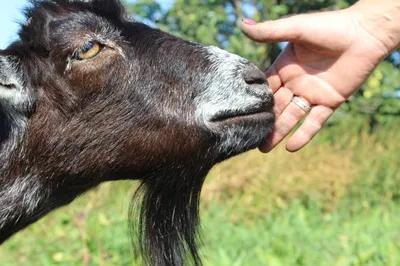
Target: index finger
x=284, y=29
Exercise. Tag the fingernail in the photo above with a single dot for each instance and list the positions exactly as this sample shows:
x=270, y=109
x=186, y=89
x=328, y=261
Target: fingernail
x=249, y=21
x=264, y=147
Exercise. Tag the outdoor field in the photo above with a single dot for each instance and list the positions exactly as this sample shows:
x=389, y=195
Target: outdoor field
x=334, y=203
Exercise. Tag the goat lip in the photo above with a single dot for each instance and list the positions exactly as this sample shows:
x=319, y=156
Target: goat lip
x=240, y=116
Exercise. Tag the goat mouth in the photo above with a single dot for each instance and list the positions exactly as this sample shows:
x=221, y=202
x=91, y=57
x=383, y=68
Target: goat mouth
x=261, y=113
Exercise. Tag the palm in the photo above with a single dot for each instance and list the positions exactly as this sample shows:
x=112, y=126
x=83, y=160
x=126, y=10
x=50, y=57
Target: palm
x=324, y=64
x=306, y=76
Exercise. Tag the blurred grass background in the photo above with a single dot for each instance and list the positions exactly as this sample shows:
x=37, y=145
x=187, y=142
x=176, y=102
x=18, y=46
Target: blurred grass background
x=336, y=202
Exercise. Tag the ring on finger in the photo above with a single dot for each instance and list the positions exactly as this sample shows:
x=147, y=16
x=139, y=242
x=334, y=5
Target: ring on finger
x=303, y=104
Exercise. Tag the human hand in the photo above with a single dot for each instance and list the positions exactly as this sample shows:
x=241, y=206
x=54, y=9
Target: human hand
x=329, y=56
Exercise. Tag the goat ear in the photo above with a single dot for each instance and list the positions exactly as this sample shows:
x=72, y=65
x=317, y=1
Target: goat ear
x=112, y=7
x=12, y=91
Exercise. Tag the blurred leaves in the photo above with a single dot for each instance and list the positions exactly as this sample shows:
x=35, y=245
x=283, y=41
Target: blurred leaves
x=214, y=22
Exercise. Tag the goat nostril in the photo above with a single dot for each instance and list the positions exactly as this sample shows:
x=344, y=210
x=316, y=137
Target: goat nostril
x=253, y=76
x=256, y=81
x=252, y=81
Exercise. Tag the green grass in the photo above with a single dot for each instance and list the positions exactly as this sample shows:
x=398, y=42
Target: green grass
x=305, y=236
x=334, y=203
x=298, y=235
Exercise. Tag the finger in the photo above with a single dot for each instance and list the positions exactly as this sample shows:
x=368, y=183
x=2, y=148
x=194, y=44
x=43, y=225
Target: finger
x=274, y=81
x=289, y=118
x=274, y=30
x=282, y=95
x=282, y=99
x=310, y=127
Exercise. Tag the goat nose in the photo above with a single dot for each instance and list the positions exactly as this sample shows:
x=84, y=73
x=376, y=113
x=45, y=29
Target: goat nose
x=258, y=84
x=253, y=75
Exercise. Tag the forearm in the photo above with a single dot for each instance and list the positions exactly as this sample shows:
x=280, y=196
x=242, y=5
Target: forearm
x=381, y=19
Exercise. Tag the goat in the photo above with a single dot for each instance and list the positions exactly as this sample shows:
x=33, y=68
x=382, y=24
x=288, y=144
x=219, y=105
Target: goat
x=88, y=95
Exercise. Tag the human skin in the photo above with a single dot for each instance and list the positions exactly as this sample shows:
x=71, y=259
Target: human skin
x=329, y=56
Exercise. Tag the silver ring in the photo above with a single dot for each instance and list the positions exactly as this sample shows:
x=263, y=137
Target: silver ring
x=303, y=104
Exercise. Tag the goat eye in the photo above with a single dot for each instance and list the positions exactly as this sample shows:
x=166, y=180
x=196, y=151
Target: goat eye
x=88, y=50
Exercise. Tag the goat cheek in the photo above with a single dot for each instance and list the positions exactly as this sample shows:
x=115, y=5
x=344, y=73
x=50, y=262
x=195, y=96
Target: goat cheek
x=89, y=77
x=86, y=84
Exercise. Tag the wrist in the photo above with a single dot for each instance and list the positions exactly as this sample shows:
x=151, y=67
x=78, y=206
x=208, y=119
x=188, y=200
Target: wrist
x=381, y=20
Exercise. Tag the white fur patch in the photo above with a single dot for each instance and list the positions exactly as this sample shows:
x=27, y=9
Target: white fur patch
x=12, y=91
x=24, y=195
x=15, y=101
x=226, y=91
x=225, y=86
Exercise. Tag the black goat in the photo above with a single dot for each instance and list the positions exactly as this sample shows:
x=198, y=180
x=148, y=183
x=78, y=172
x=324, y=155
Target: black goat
x=87, y=95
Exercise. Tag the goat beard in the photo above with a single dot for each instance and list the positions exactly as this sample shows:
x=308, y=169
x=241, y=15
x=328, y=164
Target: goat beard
x=164, y=217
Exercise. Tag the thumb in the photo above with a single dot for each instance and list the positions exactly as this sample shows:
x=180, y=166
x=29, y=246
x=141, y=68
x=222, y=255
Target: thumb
x=286, y=29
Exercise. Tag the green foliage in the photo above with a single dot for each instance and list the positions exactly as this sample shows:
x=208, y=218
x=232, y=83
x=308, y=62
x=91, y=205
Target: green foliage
x=378, y=95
